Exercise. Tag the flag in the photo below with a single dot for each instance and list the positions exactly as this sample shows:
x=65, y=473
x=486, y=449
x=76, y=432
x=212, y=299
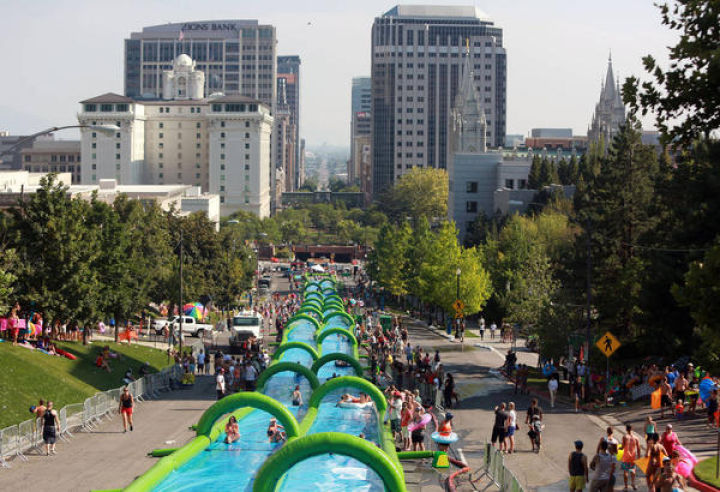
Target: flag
x=582, y=352
x=182, y=35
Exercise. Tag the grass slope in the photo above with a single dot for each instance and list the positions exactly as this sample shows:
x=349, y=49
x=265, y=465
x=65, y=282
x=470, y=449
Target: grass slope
x=27, y=375
x=705, y=471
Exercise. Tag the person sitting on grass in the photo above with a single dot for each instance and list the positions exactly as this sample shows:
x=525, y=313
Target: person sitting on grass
x=102, y=363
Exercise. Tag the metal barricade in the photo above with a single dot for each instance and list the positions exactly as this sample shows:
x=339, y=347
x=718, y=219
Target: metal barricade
x=73, y=417
x=140, y=389
x=495, y=469
x=10, y=446
x=29, y=435
x=62, y=417
x=87, y=415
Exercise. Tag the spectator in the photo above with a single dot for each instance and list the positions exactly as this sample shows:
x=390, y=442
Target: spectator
x=603, y=464
x=102, y=363
x=220, y=384
x=126, y=406
x=578, y=468
x=50, y=423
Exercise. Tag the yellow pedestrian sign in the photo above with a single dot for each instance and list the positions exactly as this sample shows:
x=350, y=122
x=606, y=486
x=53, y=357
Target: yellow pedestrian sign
x=459, y=306
x=608, y=344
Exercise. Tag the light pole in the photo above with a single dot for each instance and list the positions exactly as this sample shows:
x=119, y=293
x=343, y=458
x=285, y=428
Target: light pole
x=107, y=129
x=457, y=291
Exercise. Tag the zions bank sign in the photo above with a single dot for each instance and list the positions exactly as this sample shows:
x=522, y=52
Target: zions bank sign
x=209, y=26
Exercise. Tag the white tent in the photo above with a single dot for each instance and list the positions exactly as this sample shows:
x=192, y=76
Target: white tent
x=317, y=268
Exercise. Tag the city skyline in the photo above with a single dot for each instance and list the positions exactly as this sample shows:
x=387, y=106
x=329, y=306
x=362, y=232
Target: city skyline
x=557, y=54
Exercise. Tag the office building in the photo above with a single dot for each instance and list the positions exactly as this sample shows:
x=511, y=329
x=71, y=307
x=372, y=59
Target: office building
x=551, y=133
x=360, y=128
x=285, y=150
x=53, y=156
x=236, y=56
x=221, y=144
x=417, y=59
x=609, y=111
x=288, y=69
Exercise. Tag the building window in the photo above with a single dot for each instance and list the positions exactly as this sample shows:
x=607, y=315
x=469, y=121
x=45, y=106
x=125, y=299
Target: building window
x=247, y=135
x=247, y=124
x=222, y=199
x=247, y=167
x=106, y=108
x=117, y=156
x=117, y=167
x=160, y=155
x=197, y=175
x=222, y=188
x=247, y=157
x=179, y=175
x=160, y=135
x=217, y=108
x=222, y=177
x=509, y=183
x=247, y=145
x=90, y=108
x=160, y=165
x=94, y=135
x=222, y=156
x=160, y=175
x=94, y=167
x=198, y=125
x=117, y=145
x=471, y=187
x=222, y=124
x=121, y=108
x=161, y=125
x=222, y=135
x=522, y=184
x=94, y=145
x=471, y=207
x=197, y=135
x=222, y=167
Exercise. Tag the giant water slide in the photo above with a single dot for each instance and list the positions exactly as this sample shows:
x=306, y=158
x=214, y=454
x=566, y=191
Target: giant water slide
x=323, y=451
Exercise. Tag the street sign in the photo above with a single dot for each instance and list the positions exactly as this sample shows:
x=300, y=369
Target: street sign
x=458, y=314
x=608, y=344
x=459, y=305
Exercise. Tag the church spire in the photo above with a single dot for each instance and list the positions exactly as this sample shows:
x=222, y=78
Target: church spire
x=468, y=116
x=609, y=111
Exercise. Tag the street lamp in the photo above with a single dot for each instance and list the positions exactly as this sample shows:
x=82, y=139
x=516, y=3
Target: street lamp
x=107, y=129
x=457, y=291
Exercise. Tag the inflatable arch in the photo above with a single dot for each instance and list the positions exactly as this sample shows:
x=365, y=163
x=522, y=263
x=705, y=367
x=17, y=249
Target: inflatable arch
x=343, y=314
x=337, y=356
x=333, y=305
x=287, y=366
x=290, y=345
x=249, y=399
x=306, y=447
x=354, y=382
x=301, y=316
x=330, y=331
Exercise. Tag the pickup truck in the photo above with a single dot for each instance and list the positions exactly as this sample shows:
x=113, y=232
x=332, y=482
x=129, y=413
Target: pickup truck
x=245, y=324
x=190, y=326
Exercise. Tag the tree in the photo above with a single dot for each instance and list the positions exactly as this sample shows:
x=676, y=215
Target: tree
x=57, y=251
x=534, y=180
x=310, y=184
x=389, y=258
x=7, y=279
x=336, y=184
x=422, y=192
x=617, y=205
x=684, y=98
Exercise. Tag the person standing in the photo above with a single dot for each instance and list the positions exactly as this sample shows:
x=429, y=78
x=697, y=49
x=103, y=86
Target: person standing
x=631, y=449
x=552, y=388
x=51, y=423
x=603, y=464
x=578, y=468
x=511, y=427
x=127, y=403
x=669, y=440
x=665, y=397
x=482, y=328
x=712, y=408
x=220, y=384
x=251, y=375
x=493, y=328
x=498, y=432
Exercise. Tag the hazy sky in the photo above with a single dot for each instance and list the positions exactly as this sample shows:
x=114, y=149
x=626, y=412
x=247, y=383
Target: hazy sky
x=56, y=53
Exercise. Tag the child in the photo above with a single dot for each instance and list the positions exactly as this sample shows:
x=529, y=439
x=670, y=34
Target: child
x=536, y=428
x=679, y=409
x=650, y=428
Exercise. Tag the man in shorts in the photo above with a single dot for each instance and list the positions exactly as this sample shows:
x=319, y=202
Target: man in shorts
x=631, y=450
x=395, y=409
x=578, y=468
x=665, y=397
x=498, y=432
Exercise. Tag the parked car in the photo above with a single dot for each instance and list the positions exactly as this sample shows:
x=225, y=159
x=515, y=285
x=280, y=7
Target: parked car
x=190, y=326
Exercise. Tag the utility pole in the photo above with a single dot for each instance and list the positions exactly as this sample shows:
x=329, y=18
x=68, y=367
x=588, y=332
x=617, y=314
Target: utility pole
x=180, y=307
x=588, y=288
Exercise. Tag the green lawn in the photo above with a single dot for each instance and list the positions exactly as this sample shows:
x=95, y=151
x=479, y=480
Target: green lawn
x=27, y=375
x=705, y=471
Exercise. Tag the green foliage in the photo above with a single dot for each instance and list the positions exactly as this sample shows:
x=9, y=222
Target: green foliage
x=310, y=184
x=684, y=98
x=421, y=193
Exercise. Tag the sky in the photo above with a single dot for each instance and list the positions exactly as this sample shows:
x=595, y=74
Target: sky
x=56, y=53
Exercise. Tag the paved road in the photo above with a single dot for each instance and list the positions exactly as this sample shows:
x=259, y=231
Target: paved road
x=106, y=457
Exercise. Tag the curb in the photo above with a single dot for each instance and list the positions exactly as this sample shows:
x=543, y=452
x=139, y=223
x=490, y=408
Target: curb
x=701, y=486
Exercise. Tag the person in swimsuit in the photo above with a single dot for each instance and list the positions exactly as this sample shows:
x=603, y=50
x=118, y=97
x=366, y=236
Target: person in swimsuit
x=50, y=423
x=654, y=452
x=666, y=479
x=297, y=397
x=578, y=468
x=127, y=403
x=631, y=449
x=232, y=430
x=275, y=431
x=418, y=434
x=445, y=430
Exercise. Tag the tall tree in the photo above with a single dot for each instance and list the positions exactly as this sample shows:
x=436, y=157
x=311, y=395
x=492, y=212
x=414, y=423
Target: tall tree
x=422, y=192
x=684, y=97
x=534, y=179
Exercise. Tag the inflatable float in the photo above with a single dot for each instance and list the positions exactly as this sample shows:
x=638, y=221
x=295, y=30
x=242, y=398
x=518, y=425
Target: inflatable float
x=424, y=420
x=441, y=439
x=349, y=404
x=64, y=353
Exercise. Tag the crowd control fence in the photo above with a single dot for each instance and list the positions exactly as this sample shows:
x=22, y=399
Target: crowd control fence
x=18, y=440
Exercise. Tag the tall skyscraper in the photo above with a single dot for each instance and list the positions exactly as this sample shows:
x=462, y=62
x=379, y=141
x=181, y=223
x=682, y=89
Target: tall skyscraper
x=609, y=111
x=417, y=59
x=236, y=56
x=288, y=68
x=359, y=165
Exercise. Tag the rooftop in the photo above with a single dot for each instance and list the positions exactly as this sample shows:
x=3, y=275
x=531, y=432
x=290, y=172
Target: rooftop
x=437, y=12
x=109, y=97
x=53, y=146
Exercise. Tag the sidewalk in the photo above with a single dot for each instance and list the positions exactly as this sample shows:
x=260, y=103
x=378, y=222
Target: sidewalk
x=107, y=458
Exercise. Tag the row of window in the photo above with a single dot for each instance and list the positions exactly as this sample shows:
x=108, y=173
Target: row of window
x=399, y=54
x=107, y=108
x=56, y=158
x=235, y=108
x=410, y=154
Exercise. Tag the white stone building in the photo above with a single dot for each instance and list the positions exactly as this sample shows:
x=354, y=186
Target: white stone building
x=220, y=144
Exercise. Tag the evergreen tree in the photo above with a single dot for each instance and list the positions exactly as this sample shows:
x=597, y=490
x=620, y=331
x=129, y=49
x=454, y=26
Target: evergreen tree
x=534, y=182
x=546, y=172
x=563, y=172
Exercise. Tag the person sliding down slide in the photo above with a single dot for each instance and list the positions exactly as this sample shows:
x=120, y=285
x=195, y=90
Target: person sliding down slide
x=349, y=400
x=232, y=430
x=274, y=432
